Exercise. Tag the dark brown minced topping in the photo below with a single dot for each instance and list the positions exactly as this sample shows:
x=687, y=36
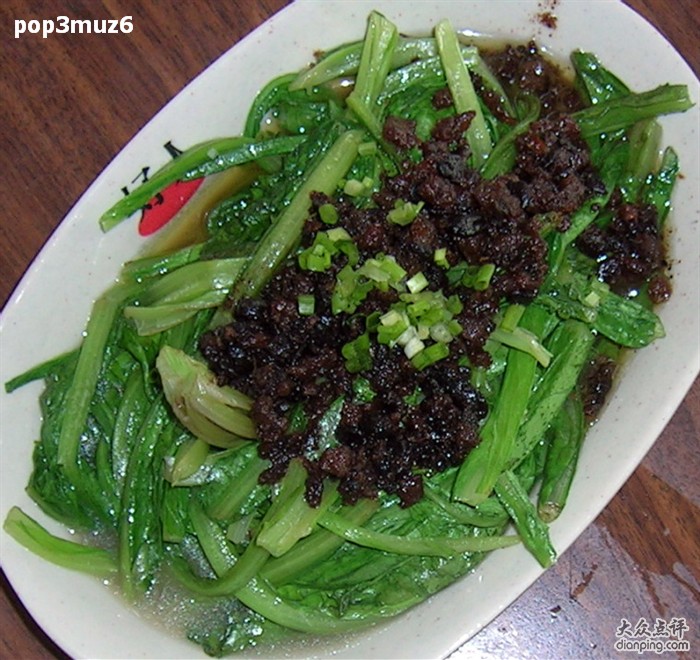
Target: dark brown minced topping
x=596, y=383
x=522, y=68
x=629, y=250
x=414, y=422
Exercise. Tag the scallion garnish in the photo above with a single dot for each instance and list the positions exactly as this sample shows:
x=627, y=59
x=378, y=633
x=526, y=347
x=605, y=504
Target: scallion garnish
x=417, y=283
x=483, y=276
x=430, y=355
x=328, y=214
x=356, y=188
x=367, y=149
x=511, y=317
x=440, y=258
x=306, y=303
x=404, y=213
x=523, y=340
x=362, y=389
x=474, y=277
x=357, y=354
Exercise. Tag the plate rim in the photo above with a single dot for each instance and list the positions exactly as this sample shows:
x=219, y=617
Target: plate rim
x=687, y=378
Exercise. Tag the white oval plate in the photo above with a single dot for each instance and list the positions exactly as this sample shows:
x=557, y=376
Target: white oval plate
x=84, y=617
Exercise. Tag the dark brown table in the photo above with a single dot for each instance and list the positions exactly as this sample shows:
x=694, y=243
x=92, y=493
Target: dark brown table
x=69, y=103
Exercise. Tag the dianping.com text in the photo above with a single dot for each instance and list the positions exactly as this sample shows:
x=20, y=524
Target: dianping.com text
x=653, y=645
x=66, y=25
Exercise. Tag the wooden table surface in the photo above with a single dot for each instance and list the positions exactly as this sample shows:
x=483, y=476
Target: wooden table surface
x=60, y=125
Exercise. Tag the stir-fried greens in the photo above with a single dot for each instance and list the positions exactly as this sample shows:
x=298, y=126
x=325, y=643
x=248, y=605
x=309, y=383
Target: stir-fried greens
x=155, y=436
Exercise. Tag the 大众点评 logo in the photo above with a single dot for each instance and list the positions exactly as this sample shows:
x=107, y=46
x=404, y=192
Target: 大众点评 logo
x=657, y=637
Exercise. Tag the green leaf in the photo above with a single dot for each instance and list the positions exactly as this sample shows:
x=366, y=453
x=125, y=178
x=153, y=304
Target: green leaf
x=69, y=554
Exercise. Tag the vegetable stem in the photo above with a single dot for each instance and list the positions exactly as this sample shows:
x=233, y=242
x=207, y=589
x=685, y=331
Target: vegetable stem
x=279, y=240
x=69, y=554
x=463, y=92
x=403, y=545
x=86, y=376
x=377, y=50
x=568, y=431
x=532, y=530
x=625, y=111
x=484, y=464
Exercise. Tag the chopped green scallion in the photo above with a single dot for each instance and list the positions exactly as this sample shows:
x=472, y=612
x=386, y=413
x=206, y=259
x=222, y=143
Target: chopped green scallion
x=440, y=332
x=417, y=283
x=362, y=389
x=440, y=258
x=404, y=213
x=415, y=397
x=483, y=276
x=430, y=355
x=328, y=214
x=511, y=317
x=356, y=188
x=337, y=234
x=357, y=354
x=367, y=149
x=414, y=346
x=306, y=304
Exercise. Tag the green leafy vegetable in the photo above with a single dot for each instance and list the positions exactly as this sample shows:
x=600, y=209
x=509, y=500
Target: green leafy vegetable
x=62, y=552
x=463, y=93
